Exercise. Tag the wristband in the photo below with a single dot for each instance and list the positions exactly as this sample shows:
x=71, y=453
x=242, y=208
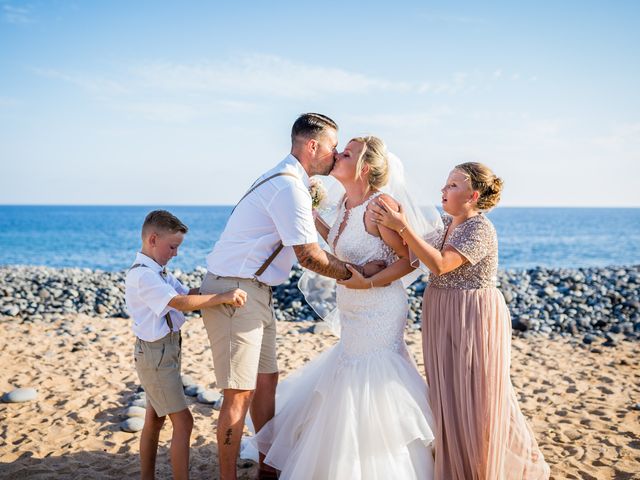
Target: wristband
x=402, y=230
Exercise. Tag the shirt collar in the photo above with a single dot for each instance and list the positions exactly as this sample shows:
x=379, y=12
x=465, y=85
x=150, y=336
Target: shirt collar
x=149, y=262
x=300, y=172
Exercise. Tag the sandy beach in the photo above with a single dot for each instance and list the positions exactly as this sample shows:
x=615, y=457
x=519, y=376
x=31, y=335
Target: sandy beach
x=580, y=399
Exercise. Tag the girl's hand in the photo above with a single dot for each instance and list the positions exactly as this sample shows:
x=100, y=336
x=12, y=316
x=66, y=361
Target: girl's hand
x=383, y=214
x=357, y=281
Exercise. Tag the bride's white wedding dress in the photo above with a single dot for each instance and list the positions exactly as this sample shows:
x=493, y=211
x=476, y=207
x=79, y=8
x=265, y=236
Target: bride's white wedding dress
x=359, y=410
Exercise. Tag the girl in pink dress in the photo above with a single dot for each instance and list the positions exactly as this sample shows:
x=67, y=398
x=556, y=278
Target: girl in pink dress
x=466, y=332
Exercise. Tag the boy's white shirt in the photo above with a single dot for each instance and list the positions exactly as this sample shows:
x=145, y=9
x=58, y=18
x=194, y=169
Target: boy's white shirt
x=147, y=295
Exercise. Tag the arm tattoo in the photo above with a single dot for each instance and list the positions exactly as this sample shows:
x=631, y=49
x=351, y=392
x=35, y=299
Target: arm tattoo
x=311, y=256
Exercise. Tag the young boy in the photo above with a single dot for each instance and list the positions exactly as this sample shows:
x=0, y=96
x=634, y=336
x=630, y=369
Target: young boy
x=155, y=300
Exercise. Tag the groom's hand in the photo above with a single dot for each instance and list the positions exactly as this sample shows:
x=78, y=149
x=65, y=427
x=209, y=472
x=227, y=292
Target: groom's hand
x=371, y=268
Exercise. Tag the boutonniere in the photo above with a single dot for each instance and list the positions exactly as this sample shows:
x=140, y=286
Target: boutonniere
x=317, y=191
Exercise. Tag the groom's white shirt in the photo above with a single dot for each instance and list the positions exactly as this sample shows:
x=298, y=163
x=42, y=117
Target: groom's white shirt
x=278, y=210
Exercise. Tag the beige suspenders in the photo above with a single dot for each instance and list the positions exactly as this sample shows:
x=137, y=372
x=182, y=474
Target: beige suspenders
x=272, y=257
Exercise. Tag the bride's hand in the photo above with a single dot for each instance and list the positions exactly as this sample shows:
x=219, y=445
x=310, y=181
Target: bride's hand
x=383, y=214
x=356, y=281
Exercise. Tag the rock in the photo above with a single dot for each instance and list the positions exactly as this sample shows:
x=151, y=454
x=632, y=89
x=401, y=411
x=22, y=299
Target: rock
x=193, y=390
x=132, y=424
x=517, y=325
x=20, y=395
x=187, y=380
x=321, y=328
x=209, y=397
x=139, y=402
x=217, y=405
x=11, y=311
x=508, y=296
x=134, y=411
x=589, y=339
x=44, y=294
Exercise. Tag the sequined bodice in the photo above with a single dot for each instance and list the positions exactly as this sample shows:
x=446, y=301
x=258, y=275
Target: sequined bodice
x=371, y=319
x=477, y=241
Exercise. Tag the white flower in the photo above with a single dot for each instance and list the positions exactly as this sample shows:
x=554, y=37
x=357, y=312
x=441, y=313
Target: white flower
x=317, y=191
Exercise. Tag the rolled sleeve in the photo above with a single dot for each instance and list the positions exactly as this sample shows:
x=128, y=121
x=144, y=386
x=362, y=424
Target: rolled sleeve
x=155, y=293
x=290, y=211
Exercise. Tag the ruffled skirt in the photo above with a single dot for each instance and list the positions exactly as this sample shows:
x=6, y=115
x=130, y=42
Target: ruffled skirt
x=346, y=418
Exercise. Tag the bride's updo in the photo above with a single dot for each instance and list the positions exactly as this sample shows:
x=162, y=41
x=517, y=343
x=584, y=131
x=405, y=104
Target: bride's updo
x=482, y=179
x=373, y=154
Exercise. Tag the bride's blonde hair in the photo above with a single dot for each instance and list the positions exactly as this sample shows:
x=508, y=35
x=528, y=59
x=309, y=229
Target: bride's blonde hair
x=374, y=154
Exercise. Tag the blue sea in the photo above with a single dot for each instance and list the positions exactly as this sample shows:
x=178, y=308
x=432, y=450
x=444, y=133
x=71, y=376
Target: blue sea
x=107, y=237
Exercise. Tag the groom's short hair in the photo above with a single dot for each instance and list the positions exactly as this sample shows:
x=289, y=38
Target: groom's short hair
x=311, y=125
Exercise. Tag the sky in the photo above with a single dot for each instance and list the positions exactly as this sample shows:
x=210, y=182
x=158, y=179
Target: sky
x=186, y=103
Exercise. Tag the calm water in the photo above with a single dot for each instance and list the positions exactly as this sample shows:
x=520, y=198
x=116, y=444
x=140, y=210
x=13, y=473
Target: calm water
x=107, y=237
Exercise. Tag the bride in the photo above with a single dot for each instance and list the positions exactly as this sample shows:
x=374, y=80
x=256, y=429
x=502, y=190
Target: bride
x=358, y=411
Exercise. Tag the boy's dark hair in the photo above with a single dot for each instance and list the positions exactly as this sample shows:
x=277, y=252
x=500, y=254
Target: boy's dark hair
x=163, y=220
x=311, y=125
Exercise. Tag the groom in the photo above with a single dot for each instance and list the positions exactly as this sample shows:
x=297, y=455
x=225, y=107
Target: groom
x=270, y=227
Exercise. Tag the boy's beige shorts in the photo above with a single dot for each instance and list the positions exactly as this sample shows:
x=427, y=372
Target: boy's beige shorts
x=243, y=339
x=158, y=367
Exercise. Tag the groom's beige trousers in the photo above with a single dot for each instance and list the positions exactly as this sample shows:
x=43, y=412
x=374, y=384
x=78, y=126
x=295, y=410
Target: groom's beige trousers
x=243, y=339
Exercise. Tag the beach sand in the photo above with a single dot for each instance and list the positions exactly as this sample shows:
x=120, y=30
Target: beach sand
x=579, y=399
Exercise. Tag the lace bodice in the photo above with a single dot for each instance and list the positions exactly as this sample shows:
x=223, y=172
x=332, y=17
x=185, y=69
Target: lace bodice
x=355, y=244
x=372, y=319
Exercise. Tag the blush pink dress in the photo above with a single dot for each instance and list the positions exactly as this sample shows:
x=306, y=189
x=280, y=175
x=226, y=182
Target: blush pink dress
x=466, y=327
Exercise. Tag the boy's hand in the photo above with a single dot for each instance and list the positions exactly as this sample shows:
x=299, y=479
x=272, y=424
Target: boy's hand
x=237, y=297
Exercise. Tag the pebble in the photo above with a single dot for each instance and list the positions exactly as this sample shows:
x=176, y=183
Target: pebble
x=187, y=381
x=321, y=328
x=20, y=395
x=132, y=424
x=139, y=402
x=134, y=411
x=193, y=390
x=209, y=397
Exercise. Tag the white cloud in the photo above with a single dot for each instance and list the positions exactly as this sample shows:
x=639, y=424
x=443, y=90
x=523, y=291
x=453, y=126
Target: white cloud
x=415, y=120
x=160, y=111
x=92, y=84
x=262, y=75
x=623, y=135
x=9, y=102
x=16, y=15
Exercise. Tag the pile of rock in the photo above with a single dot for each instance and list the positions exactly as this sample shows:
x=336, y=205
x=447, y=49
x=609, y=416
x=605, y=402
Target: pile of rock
x=597, y=301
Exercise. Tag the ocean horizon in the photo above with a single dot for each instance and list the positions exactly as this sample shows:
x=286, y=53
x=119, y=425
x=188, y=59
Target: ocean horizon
x=106, y=237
